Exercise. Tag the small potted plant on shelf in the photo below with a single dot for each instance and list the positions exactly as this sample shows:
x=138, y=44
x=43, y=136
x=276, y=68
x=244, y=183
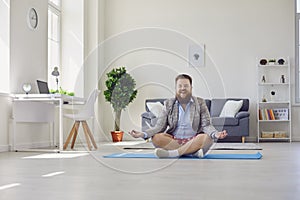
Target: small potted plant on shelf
x=272, y=61
x=119, y=93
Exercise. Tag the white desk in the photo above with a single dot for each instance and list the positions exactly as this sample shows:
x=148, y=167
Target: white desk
x=33, y=107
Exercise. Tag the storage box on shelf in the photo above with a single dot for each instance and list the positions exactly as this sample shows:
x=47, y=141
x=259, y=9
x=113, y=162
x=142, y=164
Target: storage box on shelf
x=273, y=104
x=273, y=134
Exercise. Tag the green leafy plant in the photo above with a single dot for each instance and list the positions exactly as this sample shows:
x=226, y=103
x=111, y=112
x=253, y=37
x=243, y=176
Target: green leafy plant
x=120, y=91
x=61, y=91
x=272, y=60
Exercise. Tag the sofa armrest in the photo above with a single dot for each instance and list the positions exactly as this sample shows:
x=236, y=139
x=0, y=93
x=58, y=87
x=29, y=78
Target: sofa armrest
x=242, y=114
x=148, y=115
x=148, y=120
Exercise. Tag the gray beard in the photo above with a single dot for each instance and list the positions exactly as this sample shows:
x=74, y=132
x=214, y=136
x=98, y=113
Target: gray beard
x=183, y=100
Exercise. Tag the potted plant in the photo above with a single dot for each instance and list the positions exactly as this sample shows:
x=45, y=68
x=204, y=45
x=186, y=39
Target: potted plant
x=272, y=61
x=119, y=93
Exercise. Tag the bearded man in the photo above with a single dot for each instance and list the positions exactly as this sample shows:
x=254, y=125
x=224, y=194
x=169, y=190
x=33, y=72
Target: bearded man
x=184, y=126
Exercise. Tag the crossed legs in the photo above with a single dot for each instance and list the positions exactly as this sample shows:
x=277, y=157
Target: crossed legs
x=166, y=142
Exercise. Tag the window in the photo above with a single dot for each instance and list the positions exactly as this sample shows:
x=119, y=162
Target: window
x=55, y=3
x=54, y=43
x=297, y=93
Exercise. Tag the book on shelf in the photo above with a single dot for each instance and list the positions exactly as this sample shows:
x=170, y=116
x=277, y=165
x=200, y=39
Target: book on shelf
x=273, y=114
x=266, y=114
x=260, y=114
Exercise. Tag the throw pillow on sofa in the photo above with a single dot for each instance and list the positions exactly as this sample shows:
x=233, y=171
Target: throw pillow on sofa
x=230, y=108
x=155, y=107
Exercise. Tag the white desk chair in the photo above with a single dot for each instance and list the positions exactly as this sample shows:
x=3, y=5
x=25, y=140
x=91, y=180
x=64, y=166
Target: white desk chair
x=84, y=114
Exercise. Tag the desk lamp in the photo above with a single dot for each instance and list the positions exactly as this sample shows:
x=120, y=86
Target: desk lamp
x=56, y=74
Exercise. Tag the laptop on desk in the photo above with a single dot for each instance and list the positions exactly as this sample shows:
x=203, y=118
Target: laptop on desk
x=43, y=87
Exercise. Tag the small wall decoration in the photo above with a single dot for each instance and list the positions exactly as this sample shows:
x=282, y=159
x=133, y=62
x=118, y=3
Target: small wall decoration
x=32, y=18
x=196, y=56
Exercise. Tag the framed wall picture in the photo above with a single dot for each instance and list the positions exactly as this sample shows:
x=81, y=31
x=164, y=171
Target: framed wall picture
x=197, y=55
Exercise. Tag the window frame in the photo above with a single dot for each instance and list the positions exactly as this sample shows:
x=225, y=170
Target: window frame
x=56, y=10
x=54, y=5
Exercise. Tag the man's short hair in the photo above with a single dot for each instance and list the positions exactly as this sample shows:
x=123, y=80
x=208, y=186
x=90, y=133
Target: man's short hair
x=183, y=76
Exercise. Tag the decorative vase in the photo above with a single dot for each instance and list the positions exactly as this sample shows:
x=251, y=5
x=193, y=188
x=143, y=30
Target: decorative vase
x=273, y=97
x=117, y=136
x=281, y=61
x=282, y=79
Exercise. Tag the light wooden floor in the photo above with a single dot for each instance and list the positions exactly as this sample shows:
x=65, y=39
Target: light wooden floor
x=275, y=176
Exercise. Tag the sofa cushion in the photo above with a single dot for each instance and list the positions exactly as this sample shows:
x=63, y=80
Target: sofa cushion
x=216, y=107
x=153, y=101
x=231, y=108
x=155, y=107
x=222, y=121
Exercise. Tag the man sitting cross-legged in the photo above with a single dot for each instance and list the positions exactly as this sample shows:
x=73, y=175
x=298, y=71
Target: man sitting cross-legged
x=188, y=121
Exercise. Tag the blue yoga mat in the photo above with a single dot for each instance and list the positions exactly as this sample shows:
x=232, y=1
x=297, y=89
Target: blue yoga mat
x=208, y=156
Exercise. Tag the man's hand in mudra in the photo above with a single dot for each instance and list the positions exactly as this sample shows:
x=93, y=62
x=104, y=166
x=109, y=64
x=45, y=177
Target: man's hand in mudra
x=136, y=134
x=221, y=135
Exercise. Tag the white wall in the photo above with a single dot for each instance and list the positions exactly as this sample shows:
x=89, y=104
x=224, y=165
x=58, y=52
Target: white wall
x=28, y=62
x=93, y=37
x=234, y=33
x=4, y=82
x=5, y=114
x=28, y=48
x=90, y=44
x=4, y=45
x=72, y=46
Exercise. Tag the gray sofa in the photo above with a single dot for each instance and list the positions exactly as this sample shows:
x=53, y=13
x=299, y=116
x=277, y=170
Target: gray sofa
x=237, y=127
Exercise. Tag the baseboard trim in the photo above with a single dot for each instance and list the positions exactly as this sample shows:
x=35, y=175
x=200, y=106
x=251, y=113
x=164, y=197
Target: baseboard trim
x=32, y=145
x=4, y=148
x=251, y=139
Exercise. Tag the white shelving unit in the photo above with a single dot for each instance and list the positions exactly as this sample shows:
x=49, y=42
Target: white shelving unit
x=274, y=100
